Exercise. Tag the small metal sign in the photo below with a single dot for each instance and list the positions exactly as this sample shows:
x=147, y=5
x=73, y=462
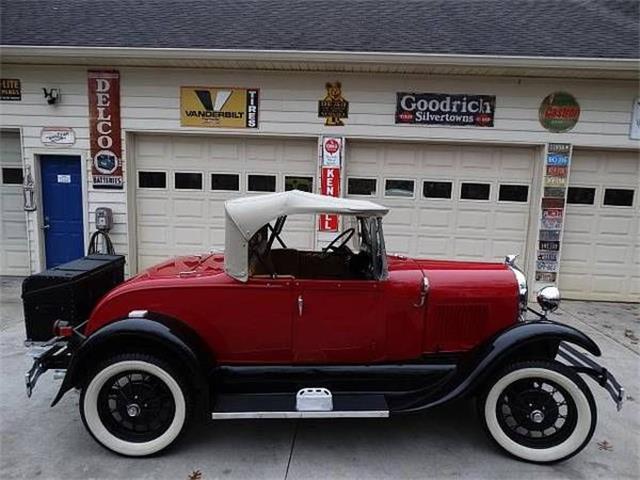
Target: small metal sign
x=549, y=236
x=64, y=178
x=333, y=107
x=445, y=109
x=559, y=112
x=57, y=136
x=10, y=89
x=634, y=131
x=546, y=277
x=219, y=107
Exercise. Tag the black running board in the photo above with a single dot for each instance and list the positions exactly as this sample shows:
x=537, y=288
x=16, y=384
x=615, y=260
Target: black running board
x=229, y=407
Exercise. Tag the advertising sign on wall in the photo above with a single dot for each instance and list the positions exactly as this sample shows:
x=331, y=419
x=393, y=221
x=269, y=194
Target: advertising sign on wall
x=219, y=107
x=559, y=112
x=333, y=107
x=331, y=152
x=634, y=131
x=557, y=162
x=445, y=109
x=57, y=136
x=104, y=129
x=10, y=89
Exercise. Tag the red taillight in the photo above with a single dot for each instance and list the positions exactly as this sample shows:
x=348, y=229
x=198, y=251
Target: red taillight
x=62, y=329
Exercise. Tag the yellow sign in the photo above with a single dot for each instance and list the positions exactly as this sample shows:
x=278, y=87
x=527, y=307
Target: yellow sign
x=219, y=107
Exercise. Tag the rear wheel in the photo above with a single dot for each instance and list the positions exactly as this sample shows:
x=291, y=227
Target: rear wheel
x=539, y=411
x=135, y=404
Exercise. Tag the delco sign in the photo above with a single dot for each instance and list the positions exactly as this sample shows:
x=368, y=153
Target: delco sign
x=445, y=109
x=104, y=129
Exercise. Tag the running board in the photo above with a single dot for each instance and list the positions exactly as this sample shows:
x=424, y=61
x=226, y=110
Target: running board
x=229, y=407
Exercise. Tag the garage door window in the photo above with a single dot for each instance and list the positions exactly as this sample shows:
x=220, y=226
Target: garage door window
x=475, y=191
x=437, y=189
x=513, y=193
x=188, y=181
x=362, y=186
x=581, y=195
x=225, y=182
x=12, y=176
x=304, y=184
x=152, y=180
x=618, y=197
x=398, y=188
x=261, y=183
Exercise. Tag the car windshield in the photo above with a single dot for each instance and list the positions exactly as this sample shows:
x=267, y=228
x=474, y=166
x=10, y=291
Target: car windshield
x=355, y=253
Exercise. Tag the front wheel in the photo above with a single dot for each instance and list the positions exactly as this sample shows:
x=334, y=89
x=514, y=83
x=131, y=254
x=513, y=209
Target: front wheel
x=134, y=404
x=539, y=411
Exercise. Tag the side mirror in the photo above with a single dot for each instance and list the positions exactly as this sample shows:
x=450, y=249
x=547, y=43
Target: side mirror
x=549, y=299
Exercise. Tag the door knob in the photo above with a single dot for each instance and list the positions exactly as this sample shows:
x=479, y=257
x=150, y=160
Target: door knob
x=300, y=305
x=46, y=225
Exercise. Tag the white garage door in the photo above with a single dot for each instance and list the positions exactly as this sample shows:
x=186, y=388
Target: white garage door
x=182, y=183
x=601, y=245
x=447, y=201
x=14, y=258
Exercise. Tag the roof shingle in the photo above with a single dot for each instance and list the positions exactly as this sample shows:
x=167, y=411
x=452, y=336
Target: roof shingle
x=538, y=28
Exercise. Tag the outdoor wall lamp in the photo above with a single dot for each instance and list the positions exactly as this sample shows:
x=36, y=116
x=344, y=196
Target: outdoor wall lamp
x=28, y=191
x=52, y=95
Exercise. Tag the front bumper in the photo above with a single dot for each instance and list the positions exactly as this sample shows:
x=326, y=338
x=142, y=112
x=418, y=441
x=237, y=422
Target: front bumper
x=583, y=364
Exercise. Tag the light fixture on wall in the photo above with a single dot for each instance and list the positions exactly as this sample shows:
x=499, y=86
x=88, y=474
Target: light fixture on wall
x=28, y=191
x=52, y=95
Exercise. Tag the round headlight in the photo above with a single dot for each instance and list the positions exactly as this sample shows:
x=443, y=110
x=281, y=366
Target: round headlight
x=549, y=298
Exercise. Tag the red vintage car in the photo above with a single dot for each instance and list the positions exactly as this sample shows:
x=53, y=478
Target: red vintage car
x=267, y=331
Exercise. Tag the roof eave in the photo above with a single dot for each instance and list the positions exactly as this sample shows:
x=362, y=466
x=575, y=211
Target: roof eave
x=116, y=55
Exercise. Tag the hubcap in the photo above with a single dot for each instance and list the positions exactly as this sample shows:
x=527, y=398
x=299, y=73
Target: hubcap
x=536, y=416
x=133, y=410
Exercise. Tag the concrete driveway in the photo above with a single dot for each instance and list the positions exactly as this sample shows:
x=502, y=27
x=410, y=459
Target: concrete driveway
x=51, y=443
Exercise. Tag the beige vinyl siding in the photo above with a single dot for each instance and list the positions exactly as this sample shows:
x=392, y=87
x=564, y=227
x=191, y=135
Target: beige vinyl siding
x=288, y=107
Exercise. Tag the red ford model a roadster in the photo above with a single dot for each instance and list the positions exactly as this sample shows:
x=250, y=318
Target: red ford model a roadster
x=267, y=331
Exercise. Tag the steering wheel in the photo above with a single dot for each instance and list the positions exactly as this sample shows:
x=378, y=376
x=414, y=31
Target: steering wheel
x=347, y=233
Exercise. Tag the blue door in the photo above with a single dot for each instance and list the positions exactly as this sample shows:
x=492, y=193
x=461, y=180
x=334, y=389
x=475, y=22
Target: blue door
x=62, y=208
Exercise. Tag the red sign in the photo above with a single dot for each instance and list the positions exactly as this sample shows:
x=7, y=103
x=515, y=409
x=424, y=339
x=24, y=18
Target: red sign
x=329, y=185
x=104, y=129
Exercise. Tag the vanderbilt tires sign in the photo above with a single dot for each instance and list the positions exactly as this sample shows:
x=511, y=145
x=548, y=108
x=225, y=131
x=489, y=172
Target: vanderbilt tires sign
x=445, y=109
x=219, y=107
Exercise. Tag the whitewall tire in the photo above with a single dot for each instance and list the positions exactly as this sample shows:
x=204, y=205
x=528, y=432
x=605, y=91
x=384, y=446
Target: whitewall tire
x=539, y=411
x=134, y=405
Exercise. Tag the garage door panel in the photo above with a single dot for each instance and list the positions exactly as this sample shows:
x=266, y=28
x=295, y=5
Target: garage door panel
x=186, y=210
x=14, y=257
x=470, y=248
x=435, y=218
x=473, y=219
x=600, y=242
x=449, y=227
x=433, y=246
x=174, y=221
x=501, y=248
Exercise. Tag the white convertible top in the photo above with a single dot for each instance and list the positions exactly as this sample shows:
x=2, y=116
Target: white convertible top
x=245, y=216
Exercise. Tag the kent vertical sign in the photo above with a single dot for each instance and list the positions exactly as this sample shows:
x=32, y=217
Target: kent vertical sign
x=330, y=164
x=104, y=129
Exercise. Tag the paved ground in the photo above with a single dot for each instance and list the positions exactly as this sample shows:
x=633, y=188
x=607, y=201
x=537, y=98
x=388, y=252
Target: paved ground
x=37, y=442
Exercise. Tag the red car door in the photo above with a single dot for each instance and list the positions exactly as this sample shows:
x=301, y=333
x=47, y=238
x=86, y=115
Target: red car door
x=338, y=322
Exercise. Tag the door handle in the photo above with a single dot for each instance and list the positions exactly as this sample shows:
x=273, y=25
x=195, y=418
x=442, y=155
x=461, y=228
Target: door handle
x=424, y=290
x=300, y=305
x=46, y=225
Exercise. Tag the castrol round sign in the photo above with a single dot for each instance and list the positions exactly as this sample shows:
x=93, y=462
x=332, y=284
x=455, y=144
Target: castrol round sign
x=559, y=112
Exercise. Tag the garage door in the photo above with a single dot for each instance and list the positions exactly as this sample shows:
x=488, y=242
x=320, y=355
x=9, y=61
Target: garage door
x=601, y=245
x=14, y=258
x=182, y=183
x=447, y=201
